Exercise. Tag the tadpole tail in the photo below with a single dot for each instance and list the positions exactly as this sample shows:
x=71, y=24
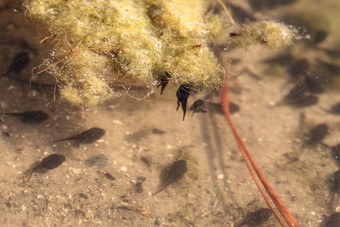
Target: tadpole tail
x=29, y=176
x=69, y=138
x=162, y=188
x=13, y=114
x=184, y=108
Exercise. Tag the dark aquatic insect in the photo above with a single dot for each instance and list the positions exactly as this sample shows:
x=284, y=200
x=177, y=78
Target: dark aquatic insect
x=172, y=174
x=233, y=34
x=19, y=62
x=182, y=94
x=89, y=136
x=335, y=152
x=335, y=109
x=199, y=106
x=256, y=218
x=332, y=221
x=317, y=134
x=50, y=162
x=109, y=176
x=164, y=79
x=297, y=97
x=139, y=184
x=31, y=116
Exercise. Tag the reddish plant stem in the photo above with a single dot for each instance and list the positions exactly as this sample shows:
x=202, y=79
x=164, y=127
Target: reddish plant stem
x=253, y=167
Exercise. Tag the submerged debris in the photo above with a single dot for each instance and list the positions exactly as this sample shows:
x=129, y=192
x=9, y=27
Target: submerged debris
x=172, y=173
x=89, y=136
x=50, y=162
x=30, y=116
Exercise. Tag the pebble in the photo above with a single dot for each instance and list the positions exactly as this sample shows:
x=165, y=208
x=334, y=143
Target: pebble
x=117, y=122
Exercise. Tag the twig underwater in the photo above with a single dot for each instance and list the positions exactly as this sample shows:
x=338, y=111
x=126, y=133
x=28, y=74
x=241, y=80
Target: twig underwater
x=251, y=165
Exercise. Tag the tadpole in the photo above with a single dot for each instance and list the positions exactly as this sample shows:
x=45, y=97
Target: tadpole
x=172, y=173
x=182, y=94
x=256, y=218
x=199, y=106
x=89, y=136
x=30, y=116
x=317, y=134
x=50, y=162
x=299, y=97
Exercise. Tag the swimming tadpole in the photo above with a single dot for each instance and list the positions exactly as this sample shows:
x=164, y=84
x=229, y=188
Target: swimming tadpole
x=30, y=116
x=172, y=173
x=88, y=136
x=48, y=163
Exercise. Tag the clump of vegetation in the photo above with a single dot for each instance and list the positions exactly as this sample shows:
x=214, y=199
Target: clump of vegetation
x=120, y=41
x=99, y=43
x=268, y=33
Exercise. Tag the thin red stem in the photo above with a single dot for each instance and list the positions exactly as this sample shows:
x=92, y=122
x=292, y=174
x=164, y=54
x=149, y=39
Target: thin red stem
x=253, y=167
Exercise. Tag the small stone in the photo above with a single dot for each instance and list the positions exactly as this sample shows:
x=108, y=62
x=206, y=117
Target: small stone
x=220, y=176
x=117, y=122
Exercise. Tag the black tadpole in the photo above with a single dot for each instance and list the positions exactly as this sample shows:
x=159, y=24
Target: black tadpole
x=199, y=106
x=317, y=134
x=30, y=116
x=50, y=162
x=164, y=79
x=89, y=136
x=172, y=173
x=182, y=94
